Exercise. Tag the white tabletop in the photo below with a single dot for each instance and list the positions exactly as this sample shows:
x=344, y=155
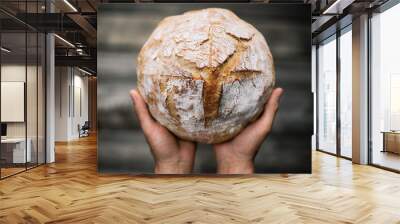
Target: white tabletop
x=13, y=140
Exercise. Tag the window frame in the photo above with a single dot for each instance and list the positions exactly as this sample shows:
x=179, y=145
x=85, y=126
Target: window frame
x=378, y=10
x=334, y=37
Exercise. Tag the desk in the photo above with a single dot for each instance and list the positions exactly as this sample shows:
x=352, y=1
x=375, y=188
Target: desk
x=391, y=141
x=18, y=150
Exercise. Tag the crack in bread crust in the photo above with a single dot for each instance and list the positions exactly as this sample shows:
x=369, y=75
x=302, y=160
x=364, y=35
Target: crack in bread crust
x=212, y=88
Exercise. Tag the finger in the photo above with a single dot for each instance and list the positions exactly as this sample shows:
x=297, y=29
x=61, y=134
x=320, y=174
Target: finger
x=145, y=119
x=255, y=132
x=271, y=107
x=187, y=145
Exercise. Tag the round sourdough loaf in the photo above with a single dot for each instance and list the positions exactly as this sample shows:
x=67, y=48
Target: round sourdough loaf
x=205, y=74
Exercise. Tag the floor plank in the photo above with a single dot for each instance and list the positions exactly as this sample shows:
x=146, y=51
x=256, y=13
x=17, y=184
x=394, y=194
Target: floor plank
x=71, y=191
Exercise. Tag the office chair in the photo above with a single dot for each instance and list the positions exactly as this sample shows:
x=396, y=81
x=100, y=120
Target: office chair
x=84, y=130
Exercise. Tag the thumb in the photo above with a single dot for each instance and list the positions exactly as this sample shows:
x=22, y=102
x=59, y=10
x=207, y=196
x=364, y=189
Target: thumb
x=259, y=128
x=271, y=107
x=145, y=119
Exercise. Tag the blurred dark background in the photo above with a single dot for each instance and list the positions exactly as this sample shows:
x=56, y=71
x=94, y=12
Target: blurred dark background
x=123, y=29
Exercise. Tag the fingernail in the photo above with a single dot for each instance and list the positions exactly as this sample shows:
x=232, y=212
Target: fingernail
x=280, y=95
x=132, y=94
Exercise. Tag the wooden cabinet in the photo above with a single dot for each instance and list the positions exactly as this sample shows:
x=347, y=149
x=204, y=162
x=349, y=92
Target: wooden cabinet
x=391, y=142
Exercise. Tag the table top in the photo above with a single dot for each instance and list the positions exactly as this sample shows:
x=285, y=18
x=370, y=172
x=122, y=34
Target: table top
x=391, y=132
x=13, y=140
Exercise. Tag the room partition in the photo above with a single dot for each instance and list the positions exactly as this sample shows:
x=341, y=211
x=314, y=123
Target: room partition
x=22, y=88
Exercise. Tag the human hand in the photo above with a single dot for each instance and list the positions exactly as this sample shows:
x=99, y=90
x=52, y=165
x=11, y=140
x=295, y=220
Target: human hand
x=237, y=155
x=171, y=155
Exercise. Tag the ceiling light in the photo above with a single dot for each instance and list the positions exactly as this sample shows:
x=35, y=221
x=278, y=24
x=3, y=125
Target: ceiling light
x=84, y=71
x=65, y=41
x=329, y=9
x=79, y=51
x=70, y=5
x=337, y=7
x=5, y=50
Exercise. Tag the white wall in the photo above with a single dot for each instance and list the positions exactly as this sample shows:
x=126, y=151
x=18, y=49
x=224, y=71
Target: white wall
x=17, y=73
x=71, y=94
x=80, y=104
x=62, y=82
x=14, y=73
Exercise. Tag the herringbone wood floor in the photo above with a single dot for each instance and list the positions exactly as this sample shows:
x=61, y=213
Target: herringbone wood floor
x=71, y=191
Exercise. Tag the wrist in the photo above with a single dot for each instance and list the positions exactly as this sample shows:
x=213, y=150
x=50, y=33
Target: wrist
x=236, y=167
x=176, y=167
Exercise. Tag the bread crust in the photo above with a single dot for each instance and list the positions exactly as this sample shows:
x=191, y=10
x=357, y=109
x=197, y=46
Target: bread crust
x=205, y=74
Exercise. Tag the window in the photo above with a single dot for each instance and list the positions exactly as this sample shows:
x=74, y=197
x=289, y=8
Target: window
x=346, y=93
x=329, y=113
x=385, y=88
x=327, y=95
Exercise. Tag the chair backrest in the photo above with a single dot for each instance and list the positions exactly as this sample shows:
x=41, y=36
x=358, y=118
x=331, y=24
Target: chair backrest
x=86, y=124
